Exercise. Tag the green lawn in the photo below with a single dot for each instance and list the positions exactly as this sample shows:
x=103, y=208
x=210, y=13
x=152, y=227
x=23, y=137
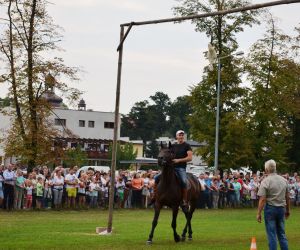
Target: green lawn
x=213, y=229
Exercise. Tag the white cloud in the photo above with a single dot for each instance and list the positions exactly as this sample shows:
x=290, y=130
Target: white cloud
x=188, y=62
x=119, y=4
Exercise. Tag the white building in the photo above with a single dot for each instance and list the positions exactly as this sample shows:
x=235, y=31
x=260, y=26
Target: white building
x=93, y=130
x=84, y=123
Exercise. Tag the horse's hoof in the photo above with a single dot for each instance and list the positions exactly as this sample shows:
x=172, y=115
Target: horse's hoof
x=177, y=238
x=182, y=238
x=149, y=242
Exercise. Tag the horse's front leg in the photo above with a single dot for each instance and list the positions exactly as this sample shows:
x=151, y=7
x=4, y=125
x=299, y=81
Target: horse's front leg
x=157, y=209
x=174, y=223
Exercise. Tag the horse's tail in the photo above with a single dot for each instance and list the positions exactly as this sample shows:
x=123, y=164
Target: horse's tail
x=195, y=185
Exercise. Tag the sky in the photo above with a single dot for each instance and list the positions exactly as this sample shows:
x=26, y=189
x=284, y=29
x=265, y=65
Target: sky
x=163, y=57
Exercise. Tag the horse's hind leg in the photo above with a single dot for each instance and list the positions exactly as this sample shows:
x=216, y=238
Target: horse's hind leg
x=154, y=222
x=183, y=235
x=174, y=224
x=188, y=225
x=190, y=222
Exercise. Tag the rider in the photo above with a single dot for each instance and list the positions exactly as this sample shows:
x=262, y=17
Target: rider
x=183, y=154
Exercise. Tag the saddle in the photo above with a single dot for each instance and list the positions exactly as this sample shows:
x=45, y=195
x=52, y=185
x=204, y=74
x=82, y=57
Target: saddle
x=188, y=182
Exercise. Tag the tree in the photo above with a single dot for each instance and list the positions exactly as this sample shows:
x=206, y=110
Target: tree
x=152, y=149
x=273, y=106
x=75, y=157
x=28, y=46
x=124, y=153
x=221, y=30
x=293, y=152
x=147, y=121
x=4, y=102
x=138, y=124
x=179, y=113
x=159, y=112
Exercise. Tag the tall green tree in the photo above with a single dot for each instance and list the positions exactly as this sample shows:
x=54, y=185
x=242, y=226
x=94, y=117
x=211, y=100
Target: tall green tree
x=124, y=153
x=4, y=102
x=27, y=46
x=179, y=113
x=152, y=149
x=159, y=111
x=147, y=119
x=75, y=157
x=273, y=105
x=138, y=124
x=293, y=153
x=221, y=31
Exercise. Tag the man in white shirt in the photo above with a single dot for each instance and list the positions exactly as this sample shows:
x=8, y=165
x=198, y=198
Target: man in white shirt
x=201, y=179
x=274, y=198
x=71, y=183
x=9, y=183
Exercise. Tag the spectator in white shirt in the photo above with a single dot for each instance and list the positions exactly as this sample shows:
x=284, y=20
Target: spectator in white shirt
x=1, y=186
x=58, y=184
x=71, y=183
x=94, y=188
x=9, y=183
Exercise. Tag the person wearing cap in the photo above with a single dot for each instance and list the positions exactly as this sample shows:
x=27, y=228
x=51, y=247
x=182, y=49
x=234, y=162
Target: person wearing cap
x=183, y=154
x=274, y=198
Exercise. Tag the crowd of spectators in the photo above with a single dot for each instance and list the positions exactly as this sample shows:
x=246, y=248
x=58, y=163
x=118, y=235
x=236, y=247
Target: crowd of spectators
x=67, y=188
x=239, y=190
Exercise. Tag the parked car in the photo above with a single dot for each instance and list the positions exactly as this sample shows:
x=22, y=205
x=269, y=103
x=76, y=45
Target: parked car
x=195, y=170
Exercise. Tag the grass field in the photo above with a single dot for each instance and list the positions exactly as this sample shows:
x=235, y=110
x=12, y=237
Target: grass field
x=213, y=229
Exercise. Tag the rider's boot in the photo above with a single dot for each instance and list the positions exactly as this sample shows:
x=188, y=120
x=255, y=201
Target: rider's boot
x=184, y=206
x=153, y=199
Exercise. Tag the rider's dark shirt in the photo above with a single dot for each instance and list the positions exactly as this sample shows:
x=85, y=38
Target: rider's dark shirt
x=180, y=151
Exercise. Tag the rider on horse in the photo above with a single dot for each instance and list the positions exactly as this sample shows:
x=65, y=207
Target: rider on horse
x=183, y=154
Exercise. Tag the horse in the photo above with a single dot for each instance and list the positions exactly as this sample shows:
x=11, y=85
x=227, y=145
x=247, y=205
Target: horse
x=169, y=194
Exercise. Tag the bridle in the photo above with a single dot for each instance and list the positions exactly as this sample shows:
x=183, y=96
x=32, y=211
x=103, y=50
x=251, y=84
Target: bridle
x=165, y=157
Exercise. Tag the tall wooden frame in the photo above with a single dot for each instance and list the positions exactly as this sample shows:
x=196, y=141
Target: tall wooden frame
x=120, y=51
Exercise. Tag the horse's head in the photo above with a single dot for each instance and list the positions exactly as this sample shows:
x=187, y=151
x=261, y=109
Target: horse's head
x=166, y=155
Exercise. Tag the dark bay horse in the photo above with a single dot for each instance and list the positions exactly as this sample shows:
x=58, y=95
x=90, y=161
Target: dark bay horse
x=169, y=194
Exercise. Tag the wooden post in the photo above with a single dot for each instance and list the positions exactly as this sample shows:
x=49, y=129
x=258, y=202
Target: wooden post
x=114, y=149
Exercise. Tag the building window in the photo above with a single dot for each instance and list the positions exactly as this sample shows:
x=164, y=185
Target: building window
x=81, y=123
x=109, y=124
x=91, y=124
x=60, y=122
